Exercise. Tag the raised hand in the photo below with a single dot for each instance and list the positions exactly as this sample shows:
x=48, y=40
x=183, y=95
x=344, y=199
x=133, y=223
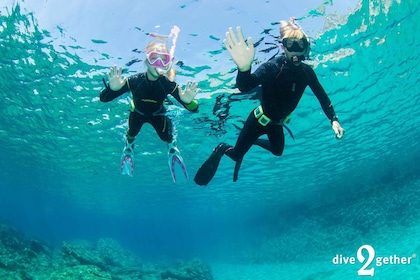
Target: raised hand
x=242, y=52
x=115, y=80
x=191, y=90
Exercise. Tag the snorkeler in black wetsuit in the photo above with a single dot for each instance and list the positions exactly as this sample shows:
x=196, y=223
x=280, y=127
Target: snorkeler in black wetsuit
x=148, y=98
x=283, y=80
x=149, y=91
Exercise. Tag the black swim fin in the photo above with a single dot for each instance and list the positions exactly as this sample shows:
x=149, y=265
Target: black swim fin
x=209, y=167
x=237, y=167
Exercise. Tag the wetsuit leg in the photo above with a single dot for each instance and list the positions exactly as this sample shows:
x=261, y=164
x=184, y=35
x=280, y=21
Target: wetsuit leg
x=163, y=127
x=135, y=122
x=249, y=134
x=275, y=142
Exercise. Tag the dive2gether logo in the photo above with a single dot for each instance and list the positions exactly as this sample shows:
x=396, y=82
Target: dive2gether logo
x=367, y=260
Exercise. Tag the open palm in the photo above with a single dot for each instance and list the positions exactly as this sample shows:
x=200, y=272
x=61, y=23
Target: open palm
x=241, y=51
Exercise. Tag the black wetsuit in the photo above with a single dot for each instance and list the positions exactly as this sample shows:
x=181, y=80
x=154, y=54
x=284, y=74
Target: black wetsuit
x=148, y=98
x=283, y=85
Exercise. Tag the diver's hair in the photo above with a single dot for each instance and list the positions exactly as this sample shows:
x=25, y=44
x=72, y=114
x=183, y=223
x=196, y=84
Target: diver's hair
x=289, y=29
x=156, y=45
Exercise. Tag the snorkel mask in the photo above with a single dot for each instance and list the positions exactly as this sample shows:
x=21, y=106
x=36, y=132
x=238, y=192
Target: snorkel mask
x=158, y=55
x=296, y=49
x=159, y=59
x=295, y=42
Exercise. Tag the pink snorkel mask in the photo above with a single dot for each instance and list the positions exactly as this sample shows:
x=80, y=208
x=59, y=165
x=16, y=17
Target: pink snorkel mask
x=161, y=59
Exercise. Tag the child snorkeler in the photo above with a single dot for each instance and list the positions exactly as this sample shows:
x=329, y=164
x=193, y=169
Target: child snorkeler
x=149, y=91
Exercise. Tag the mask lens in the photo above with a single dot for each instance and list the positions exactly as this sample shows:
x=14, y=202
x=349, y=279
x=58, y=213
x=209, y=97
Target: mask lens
x=158, y=59
x=295, y=45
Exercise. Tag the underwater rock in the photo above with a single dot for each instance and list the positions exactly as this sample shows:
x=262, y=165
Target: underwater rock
x=84, y=253
x=192, y=270
x=11, y=238
x=85, y=272
x=30, y=259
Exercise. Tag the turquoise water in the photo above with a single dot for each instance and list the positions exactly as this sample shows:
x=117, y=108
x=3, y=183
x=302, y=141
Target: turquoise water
x=286, y=218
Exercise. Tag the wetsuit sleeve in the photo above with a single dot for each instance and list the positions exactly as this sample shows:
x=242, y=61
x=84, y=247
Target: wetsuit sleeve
x=108, y=94
x=193, y=106
x=245, y=81
x=320, y=93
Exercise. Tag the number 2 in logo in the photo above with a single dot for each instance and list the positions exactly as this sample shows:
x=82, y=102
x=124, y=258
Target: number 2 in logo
x=371, y=255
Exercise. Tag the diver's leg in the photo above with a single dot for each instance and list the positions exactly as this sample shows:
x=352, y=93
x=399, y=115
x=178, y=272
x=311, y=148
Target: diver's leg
x=135, y=122
x=164, y=128
x=275, y=142
x=247, y=137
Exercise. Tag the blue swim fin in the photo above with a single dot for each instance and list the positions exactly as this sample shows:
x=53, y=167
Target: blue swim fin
x=127, y=165
x=177, y=167
x=127, y=160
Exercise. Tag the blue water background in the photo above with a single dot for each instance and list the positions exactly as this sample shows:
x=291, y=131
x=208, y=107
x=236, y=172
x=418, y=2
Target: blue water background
x=60, y=146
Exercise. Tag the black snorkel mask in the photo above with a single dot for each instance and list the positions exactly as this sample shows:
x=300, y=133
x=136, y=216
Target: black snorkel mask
x=295, y=45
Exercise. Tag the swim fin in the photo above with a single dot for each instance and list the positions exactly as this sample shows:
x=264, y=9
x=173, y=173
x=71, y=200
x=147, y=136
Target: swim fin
x=127, y=160
x=127, y=165
x=237, y=167
x=209, y=167
x=177, y=166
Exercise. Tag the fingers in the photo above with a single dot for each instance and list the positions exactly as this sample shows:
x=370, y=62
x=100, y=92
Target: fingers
x=191, y=86
x=226, y=44
x=231, y=38
x=339, y=132
x=250, y=44
x=114, y=72
x=240, y=35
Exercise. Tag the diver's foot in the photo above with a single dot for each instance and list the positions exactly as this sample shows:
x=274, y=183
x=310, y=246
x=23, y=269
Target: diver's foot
x=129, y=148
x=220, y=149
x=172, y=149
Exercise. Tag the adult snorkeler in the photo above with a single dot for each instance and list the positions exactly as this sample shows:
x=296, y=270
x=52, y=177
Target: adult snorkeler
x=149, y=91
x=283, y=80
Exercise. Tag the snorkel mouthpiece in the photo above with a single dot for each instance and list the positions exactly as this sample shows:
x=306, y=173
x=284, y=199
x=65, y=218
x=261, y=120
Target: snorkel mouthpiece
x=161, y=71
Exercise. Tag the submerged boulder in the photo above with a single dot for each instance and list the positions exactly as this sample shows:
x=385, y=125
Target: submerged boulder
x=192, y=270
x=32, y=258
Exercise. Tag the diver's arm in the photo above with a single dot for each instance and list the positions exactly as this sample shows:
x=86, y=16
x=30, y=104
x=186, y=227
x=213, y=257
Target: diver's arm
x=326, y=104
x=186, y=97
x=116, y=87
x=245, y=80
x=320, y=93
x=107, y=94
